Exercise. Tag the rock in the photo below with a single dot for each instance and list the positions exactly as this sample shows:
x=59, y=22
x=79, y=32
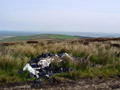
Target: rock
x=37, y=83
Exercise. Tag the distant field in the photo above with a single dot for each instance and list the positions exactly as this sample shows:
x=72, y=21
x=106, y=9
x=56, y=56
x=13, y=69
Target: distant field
x=41, y=36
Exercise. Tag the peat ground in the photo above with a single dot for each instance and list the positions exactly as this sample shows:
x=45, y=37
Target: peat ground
x=81, y=84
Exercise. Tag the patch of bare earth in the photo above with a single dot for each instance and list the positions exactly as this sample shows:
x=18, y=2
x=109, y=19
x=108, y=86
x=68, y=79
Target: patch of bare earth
x=81, y=84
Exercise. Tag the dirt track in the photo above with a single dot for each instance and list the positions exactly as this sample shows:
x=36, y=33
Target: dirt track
x=81, y=84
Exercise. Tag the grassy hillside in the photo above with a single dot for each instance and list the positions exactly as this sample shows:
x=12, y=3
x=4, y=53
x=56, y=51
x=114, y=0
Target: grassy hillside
x=41, y=36
x=105, y=55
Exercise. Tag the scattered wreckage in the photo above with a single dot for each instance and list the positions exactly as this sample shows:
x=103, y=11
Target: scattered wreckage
x=42, y=67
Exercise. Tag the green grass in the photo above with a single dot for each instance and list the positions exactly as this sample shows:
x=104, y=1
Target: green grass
x=41, y=36
x=13, y=58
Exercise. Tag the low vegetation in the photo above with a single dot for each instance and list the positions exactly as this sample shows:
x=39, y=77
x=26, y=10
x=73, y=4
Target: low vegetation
x=105, y=57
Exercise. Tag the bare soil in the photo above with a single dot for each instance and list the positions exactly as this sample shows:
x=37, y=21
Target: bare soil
x=81, y=84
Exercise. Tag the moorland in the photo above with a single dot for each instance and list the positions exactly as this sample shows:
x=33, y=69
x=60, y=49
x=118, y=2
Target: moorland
x=103, y=53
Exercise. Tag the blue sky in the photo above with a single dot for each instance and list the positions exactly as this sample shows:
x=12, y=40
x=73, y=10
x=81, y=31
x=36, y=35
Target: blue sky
x=60, y=15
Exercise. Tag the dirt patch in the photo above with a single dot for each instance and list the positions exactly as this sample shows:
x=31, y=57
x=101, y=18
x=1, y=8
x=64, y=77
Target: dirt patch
x=81, y=84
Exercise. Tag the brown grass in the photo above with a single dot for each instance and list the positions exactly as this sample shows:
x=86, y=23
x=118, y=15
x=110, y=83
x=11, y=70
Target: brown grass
x=14, y=57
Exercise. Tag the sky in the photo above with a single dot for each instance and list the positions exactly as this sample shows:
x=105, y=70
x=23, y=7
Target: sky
x=60, y=15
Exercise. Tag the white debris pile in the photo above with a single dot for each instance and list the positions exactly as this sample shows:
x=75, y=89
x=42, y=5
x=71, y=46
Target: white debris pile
x=41, y=66
x=31, y=70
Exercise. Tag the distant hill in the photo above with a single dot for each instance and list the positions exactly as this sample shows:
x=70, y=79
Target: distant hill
x=16, y=33
x=20, y=35
x=81, y=34
x=41, y=36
